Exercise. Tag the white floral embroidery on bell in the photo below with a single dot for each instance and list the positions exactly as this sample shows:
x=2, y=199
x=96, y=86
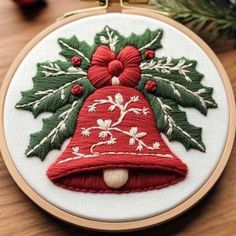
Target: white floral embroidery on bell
x=108, y=127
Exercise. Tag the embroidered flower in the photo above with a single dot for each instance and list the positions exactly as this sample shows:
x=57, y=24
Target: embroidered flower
x=156, y=145
x=85, y=132
x=134, y=98
x=91, y=108
x=135, y=135
x=104, y=124
x=111, y=141
x=75, y=150
x=145, y=111
x=103, y=134
x=109, y=69
x=119, y=99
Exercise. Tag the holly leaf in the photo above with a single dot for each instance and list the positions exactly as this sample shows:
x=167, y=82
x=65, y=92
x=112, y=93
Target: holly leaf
x=148, y=40
x=173, y=123
x=73, y=47
x=56, y=129
x=111, y=38
x=178, y=79
x=52, y=85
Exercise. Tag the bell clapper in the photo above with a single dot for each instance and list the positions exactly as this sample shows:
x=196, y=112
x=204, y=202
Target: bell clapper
x=115, y=178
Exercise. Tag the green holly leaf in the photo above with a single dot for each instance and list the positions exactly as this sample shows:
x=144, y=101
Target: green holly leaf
x=111, y=38
x=56, y=129
x=73, y=47
x=52, y=85
x=148, y=40
x=178, y=79
x=174, y=124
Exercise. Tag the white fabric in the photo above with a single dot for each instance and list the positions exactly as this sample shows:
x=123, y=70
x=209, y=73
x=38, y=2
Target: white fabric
x=20, y=124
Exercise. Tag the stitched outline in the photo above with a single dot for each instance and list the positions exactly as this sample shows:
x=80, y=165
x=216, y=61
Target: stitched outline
x=80, y=155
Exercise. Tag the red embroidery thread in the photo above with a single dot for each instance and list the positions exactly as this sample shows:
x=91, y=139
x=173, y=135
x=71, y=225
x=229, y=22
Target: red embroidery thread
x=114, y=118
x=149, y=54
x=150, y=86
x=107, y=69
x=76, y=61
x=77, y=89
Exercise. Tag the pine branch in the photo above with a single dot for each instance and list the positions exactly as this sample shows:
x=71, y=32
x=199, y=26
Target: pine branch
x=209, y=18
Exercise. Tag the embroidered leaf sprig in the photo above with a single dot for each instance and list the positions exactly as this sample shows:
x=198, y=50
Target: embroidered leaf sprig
x=178, y=83
x=55, y=131
x=52, y=86
x=148, y=40
x=52, y=93
x=173, y=122
x=57, y=128
x=178, y=79
x=73, y=47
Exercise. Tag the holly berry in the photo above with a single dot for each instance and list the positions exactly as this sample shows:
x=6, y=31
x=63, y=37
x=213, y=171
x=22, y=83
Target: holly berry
x=77, y=89
x=149, y=54
x=76, y=61
x=150, y=86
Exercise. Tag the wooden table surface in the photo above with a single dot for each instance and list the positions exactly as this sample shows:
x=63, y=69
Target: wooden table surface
x=214, y=215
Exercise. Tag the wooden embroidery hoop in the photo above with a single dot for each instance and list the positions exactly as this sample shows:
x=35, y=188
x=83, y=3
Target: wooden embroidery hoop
x=129, y=225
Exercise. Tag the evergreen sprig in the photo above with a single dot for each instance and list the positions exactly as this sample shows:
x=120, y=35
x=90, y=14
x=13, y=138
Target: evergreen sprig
x=211, y=19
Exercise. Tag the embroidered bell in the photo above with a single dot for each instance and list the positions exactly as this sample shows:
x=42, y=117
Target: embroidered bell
x=116, y=147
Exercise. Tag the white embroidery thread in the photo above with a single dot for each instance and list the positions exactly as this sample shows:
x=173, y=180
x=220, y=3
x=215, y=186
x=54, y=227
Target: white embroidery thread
x=80, y=155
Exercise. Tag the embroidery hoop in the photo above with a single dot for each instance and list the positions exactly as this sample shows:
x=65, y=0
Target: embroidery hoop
x=129, y=225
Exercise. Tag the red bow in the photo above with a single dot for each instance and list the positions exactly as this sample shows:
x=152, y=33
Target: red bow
x=107, y=69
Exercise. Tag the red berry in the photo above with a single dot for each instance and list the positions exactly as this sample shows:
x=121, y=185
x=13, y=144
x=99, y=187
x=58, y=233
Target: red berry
x=150, y=86
x=76, y=61
x=77, y=89
x=149, y=54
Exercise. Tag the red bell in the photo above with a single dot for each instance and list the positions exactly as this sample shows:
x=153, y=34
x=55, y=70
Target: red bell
x=116, y=147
